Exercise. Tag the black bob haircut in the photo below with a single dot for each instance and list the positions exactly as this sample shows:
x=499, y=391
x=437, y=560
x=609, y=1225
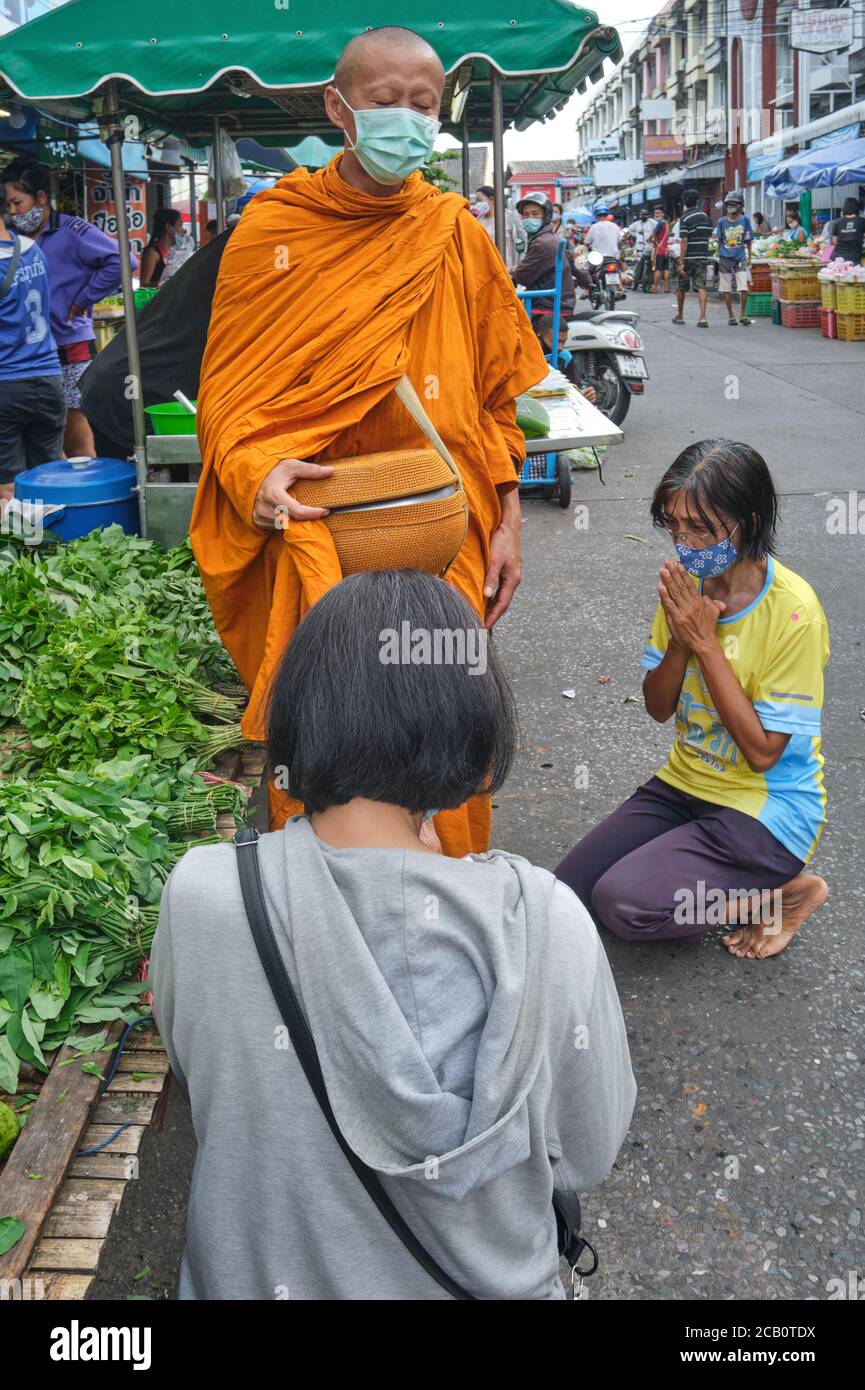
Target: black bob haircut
x=347, y=720
x=732, y=481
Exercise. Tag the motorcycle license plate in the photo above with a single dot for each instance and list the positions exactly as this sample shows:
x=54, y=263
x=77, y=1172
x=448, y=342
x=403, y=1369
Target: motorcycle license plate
x=632, y=366
x=612, y=277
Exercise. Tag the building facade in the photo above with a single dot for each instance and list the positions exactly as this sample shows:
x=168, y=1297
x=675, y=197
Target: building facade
x=708, y=94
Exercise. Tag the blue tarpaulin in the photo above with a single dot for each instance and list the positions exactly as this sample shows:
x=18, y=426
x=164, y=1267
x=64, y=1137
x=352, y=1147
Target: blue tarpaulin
x=824, y=167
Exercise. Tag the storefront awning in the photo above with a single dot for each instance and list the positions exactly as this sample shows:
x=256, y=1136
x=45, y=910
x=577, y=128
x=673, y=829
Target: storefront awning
x=823, y=167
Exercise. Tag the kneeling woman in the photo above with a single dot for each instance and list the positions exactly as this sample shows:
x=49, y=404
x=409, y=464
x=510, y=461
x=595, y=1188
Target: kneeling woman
x=736, y=652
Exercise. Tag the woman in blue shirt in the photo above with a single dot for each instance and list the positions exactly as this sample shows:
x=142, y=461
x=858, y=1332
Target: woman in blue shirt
x=32, y=405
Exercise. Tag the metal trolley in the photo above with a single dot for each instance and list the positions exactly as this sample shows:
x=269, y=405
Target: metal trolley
x=549, y=472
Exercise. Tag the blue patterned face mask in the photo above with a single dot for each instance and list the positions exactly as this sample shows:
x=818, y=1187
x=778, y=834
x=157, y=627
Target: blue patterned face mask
x=712, y=560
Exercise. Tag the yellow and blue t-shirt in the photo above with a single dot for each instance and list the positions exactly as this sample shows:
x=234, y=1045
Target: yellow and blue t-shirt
x=777, y=647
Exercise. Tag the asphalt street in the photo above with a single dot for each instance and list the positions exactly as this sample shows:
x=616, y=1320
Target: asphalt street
x=742, y=1175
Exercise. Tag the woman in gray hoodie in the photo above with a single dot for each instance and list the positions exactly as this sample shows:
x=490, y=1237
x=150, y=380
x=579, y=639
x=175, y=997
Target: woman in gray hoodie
x=464, y=1015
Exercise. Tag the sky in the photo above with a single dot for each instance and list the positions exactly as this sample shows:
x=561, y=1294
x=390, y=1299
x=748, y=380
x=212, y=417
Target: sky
x=556, y=138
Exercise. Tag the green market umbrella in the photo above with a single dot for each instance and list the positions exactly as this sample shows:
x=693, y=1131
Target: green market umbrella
x=259, y=64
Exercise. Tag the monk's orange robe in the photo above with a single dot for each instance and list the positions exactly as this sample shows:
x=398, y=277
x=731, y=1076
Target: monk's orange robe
x=325, y=296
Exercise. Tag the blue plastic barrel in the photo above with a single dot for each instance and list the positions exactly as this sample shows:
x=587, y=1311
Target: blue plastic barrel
x=94, y=493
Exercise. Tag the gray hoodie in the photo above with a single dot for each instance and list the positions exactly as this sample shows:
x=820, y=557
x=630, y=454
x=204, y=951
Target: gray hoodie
x=471, y=1042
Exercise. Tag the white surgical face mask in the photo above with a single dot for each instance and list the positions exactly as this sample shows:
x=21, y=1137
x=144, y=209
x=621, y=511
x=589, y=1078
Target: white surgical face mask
x=482, y=209
x=391, y=141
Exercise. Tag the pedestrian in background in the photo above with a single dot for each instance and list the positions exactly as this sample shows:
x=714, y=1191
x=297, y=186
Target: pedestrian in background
x=734, y=256
x=695, y=229
x=484, y=211
x=83, y=267
x=154, y=258
x=641, y=230
x=32, y=408
x=660, y=239
x=848, y=233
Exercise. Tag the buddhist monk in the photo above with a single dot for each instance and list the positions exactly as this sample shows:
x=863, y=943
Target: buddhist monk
x=332, y=286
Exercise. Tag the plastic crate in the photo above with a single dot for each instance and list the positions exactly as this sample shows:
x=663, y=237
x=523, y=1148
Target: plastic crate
x=827, y=294
x=798, y=288
x=775, y=282
x=761, y=279
x=758, y=306
x=850, y=327
x=776, y=311
x=795, y=314
x=827, y=323
x=850, y=299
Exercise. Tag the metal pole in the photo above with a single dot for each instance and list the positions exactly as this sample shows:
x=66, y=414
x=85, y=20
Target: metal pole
x=498, y=134
x=465, y=154
x=193, y=209
x=118, y=183
x=217, y=179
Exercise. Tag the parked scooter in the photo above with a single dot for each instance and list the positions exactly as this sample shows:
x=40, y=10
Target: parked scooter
x=606, y=352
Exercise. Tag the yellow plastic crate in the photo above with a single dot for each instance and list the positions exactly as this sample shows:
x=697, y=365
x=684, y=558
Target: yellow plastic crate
x=797, y=287
x=827, y=294
x=850, y=327
x=850, y=299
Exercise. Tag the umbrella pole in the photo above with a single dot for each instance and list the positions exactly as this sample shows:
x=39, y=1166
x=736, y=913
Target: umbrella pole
x=217, y=178
x=118, y=183
x=498, y=134
x=465, y=154
x=193, y=207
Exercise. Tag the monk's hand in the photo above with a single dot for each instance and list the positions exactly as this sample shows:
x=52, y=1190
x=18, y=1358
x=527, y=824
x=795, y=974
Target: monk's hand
x=274, y=504
x=505, y=568
x=691, y=615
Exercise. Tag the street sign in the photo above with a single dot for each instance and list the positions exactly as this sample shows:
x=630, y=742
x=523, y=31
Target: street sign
x=657, y=109
x=821, y=31
x=605, y=147
x=662, y=149
x=614, y=173
x=573, y=180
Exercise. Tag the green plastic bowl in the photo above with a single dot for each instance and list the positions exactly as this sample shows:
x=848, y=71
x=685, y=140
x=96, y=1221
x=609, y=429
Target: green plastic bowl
x=144, y=296
x=171, y=418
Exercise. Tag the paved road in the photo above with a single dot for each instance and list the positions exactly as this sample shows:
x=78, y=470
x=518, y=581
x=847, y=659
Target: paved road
x=757, y=1062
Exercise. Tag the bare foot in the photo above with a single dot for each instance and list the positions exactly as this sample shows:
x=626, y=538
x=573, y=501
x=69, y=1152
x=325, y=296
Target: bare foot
x=799, y=898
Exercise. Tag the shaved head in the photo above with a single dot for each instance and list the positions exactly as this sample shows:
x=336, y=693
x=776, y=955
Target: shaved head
x=364, y=56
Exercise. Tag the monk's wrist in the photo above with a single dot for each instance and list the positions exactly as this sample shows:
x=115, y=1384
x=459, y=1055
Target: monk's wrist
x=509, y=501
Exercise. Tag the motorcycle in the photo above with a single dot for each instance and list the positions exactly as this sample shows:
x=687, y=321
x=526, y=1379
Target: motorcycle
x=606, y=281
x=606, y=351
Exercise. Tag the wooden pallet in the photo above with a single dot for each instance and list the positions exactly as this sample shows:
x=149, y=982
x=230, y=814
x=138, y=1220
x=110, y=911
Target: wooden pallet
x=66, y=1198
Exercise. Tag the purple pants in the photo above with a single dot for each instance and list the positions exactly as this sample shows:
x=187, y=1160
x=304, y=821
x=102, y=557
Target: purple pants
x=653, y=869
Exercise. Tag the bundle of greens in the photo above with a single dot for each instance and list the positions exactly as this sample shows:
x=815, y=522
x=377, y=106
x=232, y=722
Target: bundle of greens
x=83, y=858
x=107, y=683
x=114, y=572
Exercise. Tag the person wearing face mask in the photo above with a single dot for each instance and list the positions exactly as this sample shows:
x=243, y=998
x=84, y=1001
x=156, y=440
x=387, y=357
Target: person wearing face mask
x=83, y=267
x=794, y=230
x=722, y=834
x=32, y=408
x=484, y=210
x=536, y=270
x=167, y=226
x=641, y=230
x=334, y=284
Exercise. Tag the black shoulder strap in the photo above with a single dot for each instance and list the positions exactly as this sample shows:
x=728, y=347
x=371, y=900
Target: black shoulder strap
x=13, y=266
x=246, y=843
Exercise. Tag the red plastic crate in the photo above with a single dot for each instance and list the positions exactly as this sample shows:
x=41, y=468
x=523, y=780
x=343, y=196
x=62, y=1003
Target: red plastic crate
x=828, y=326
x=800, y=315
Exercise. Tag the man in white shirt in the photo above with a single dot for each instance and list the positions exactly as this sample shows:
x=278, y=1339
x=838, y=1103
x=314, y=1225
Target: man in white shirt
x=604, y=235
